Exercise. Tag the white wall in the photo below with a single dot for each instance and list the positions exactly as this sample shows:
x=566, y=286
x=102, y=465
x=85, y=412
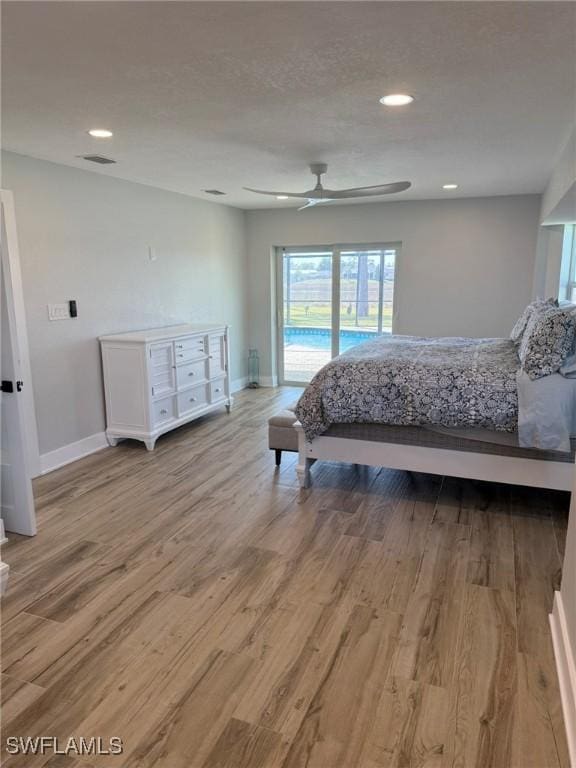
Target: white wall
x=466, y=266
x=85, y=236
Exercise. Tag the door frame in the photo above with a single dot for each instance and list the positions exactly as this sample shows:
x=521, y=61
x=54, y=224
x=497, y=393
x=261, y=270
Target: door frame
x=336, y=249
x=18, y=332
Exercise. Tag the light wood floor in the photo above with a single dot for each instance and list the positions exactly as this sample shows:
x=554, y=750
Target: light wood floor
x=194, y=603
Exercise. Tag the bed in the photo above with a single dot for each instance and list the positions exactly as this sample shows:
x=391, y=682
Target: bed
x=451, y=406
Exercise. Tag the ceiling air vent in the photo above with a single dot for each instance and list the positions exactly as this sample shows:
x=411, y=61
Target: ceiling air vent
x=213, y=191
x=97, y=159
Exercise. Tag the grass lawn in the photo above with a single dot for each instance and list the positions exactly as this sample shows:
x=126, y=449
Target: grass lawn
x=320, y=315
x=310, y=304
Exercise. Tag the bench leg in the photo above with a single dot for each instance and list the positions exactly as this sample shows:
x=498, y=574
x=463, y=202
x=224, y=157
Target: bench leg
x=278, y=453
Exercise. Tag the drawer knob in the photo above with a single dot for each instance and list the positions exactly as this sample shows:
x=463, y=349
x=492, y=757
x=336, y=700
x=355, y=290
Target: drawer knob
x=192, y=399
x=217, y=389
x=179, y=346
x=210, y=357
x=163, y=412
x=180, y=354
x=191, y=373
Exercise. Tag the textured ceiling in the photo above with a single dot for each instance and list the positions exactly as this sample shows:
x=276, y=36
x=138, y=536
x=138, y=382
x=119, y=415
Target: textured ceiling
x=220, y=95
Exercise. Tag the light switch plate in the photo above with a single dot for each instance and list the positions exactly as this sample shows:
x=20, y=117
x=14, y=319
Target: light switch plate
x=59, y=311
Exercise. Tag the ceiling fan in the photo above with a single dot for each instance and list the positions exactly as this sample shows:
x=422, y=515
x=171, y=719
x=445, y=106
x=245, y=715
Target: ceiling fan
x=320, y=194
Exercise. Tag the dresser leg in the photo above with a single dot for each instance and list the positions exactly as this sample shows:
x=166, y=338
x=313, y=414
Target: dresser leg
x=229, y=405
x=112, y=441
x=149, y=444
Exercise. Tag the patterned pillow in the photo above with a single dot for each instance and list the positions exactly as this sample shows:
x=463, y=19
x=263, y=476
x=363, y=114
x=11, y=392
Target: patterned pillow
x=520, y=326
x=547, y=341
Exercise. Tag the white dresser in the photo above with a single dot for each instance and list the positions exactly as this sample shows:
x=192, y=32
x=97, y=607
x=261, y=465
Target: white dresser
x=158, y=379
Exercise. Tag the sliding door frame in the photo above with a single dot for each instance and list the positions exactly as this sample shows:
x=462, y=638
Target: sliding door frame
x=336, y=249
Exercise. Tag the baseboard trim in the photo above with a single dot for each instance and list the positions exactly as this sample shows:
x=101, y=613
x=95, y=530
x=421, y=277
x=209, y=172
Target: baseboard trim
x=72, y=452
x=4, y=575
x=269, y=381
x=566, y=668
x=78, y=450
x=237, y=384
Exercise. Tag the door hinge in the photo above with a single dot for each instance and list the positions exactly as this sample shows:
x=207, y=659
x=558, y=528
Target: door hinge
x=7, y=386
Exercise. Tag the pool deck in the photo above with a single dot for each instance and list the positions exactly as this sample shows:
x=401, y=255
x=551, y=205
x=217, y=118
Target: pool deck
x=301, y=363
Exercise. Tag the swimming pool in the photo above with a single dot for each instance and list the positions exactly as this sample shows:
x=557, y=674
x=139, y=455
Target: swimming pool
x=320, y=338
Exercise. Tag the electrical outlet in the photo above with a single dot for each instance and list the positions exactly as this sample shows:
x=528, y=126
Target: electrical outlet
x=59, y=311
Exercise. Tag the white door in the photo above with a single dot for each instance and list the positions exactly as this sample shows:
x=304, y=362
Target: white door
x=17, y=501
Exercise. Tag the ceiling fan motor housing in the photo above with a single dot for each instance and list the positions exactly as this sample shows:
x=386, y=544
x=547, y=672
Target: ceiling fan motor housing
x=318, y=168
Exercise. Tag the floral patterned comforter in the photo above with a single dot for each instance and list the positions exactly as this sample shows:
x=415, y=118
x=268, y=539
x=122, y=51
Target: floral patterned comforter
x=410, y=380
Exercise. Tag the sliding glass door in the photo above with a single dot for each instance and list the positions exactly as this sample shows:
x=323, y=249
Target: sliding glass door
x=330, y=299
x=306, y=318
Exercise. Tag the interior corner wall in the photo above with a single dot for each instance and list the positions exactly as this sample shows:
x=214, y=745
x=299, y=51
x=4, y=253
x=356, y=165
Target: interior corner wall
x=548, y=262
x=466, y=266
x=558, y=208
x=86, y=236
x=561, y=182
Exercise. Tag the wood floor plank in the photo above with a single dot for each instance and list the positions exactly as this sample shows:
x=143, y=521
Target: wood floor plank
x=22, y=637
x=66, y=562
x=70, y=649
x=372, y=519
x=388, y=570
x=195, y=603
x=485, y=689
x=538, y=739
x=17, y=696
x=427, y=646
x=537, y=574
x=341, y=713
x=187, y=730
x=410, y=727
x=243, y=745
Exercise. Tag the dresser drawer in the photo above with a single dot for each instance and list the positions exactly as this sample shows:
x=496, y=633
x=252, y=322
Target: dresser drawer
x=163, y=410
x=217, y=390
x=190, y=348
x=190, y=373
x=192, y=399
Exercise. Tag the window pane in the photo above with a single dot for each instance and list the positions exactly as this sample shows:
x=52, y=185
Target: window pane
x=366, y=294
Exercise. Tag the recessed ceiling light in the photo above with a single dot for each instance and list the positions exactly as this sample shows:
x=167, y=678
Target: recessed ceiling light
x=281, y=197
x=396, y=100
x=449, y=186
x=100, y=133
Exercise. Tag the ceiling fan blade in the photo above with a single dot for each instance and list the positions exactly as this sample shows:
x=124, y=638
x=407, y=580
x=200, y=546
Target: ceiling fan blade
x=378, y=189
x=275, y=194
x=315, y=201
